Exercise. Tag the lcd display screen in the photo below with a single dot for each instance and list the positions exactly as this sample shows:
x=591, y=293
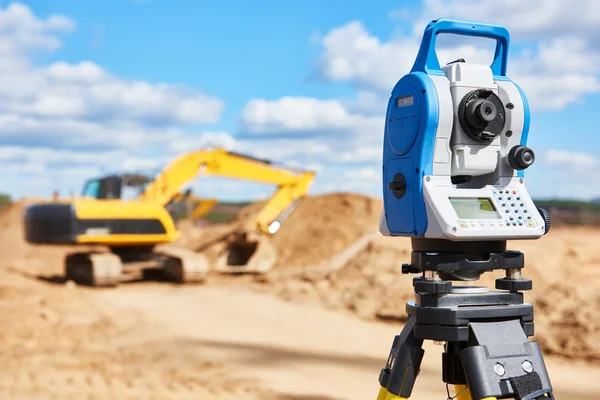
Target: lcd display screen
x=405, y=101
x=474, y=208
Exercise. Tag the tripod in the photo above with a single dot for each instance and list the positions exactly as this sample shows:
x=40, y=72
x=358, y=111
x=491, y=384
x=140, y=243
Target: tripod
x=485, y=333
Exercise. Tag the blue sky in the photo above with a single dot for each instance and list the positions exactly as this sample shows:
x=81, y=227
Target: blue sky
x=95, y=87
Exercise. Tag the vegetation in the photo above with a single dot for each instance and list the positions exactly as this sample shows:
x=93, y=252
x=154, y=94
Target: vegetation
x=223, y=213
x=570, y=205
x=219, y=217
x=572, y=212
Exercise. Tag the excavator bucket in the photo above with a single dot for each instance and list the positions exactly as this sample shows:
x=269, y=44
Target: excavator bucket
x=247, y=254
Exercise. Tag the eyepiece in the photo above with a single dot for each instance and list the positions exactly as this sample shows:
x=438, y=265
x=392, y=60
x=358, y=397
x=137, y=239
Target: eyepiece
x=481, y=115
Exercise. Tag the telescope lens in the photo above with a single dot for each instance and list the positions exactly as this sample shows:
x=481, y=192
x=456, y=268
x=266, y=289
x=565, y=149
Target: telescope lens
x=481, y=114
x=489, y=111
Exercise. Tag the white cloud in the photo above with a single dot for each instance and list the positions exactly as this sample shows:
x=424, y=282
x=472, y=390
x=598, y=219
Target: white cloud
x=555, y=72
x=363, y=174
x=351, y=53
x=528, y=20
x=82, y=105
x=21, y=31
x=301, y=114
x=571, y=158
x=202, y=140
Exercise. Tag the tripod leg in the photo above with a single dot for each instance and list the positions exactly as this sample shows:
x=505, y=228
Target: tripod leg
x=501, y=362
x=398, y=377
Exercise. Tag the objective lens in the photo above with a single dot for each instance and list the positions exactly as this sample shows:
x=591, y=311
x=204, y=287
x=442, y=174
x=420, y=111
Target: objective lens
x=489, y=111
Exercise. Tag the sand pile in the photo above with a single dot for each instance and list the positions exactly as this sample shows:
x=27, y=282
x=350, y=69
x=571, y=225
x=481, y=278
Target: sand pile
x=319, y=228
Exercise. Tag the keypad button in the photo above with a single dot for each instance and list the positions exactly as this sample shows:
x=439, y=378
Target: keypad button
x=509, y=198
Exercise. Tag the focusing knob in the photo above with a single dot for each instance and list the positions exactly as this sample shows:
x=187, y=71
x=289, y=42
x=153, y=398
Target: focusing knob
x=547, y=221
x=520, y=157
x=481, y=115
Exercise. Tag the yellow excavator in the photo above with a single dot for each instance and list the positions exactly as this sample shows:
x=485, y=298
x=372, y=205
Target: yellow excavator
x=126, y=214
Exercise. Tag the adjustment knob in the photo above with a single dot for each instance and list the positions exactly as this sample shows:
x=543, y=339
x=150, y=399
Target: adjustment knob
x=398, y=186
x=520, y=157
x=547, y=221
x=406, y=268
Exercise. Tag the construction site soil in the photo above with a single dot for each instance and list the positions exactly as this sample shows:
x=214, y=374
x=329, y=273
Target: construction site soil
x=152, y=340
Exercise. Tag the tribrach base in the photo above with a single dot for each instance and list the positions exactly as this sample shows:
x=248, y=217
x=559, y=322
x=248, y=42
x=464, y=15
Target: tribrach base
x=485, y=333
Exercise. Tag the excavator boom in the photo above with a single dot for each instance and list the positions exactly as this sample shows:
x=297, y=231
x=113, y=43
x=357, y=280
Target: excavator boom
x=292, y=186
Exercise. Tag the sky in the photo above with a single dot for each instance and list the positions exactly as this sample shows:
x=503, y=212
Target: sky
x=95, y=87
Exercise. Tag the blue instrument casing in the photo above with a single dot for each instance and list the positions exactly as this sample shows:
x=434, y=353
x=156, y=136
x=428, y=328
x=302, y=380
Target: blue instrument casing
x=425, y=143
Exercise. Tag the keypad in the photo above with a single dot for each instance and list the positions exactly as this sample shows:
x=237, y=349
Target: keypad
x=513, y=210
x=511, y=207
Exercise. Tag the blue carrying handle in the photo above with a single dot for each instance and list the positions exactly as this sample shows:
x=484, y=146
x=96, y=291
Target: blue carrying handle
x=427, y=60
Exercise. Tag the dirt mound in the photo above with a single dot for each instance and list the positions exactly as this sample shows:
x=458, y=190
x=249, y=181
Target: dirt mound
x=318, y=229
x=322, y=226
x=17, y=253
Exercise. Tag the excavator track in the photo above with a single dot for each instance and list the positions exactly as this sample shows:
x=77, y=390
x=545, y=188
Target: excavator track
x=94, y=269
x=183, y=265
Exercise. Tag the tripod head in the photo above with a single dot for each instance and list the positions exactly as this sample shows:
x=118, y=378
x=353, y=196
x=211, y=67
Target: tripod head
x=454, y=156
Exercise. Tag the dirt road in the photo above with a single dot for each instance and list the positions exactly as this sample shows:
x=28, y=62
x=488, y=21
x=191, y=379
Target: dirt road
x=293, y=349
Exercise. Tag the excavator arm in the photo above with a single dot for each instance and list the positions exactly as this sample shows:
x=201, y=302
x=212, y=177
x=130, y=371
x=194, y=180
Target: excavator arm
x=292, y=186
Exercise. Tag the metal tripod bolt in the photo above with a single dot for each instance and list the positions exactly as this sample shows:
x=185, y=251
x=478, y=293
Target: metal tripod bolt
x=527, y=366
x=513, y=273
x=431, y=276
x=499, y=369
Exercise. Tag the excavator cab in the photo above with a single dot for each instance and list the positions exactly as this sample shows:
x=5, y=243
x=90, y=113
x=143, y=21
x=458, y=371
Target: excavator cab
x=121, y=186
